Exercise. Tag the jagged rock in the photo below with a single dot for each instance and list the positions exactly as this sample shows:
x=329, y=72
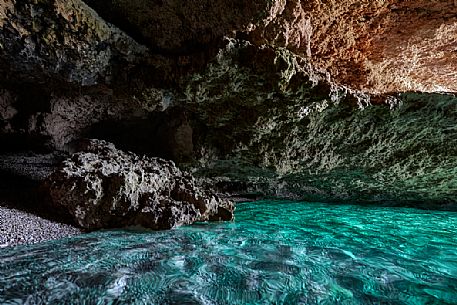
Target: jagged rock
x=257, y=114
x=103, y=187
x=274, y=125
x=62, y=41
x=377, y=46
x=64, y=69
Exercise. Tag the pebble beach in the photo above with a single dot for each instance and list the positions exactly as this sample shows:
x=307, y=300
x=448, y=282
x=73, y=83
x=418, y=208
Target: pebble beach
x=18, y=227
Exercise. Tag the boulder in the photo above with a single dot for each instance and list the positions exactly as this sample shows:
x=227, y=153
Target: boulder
x=103, y=187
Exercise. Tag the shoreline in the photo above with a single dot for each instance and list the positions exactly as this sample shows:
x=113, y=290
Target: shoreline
x=22, y=228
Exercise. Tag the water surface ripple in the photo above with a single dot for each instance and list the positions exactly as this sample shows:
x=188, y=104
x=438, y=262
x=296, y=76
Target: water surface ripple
x=276, y=252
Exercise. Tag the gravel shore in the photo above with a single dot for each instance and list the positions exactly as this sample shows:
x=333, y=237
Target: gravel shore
x=17, y=227
x=20, y=174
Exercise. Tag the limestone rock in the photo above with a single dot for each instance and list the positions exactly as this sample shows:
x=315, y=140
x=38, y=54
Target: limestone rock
x=258, y=111
x=61, y=40
x=274, y=125
x=377, y=46
x=102, y=187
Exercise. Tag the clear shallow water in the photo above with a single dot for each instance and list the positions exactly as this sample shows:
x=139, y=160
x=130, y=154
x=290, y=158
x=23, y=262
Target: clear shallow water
x=276, y=252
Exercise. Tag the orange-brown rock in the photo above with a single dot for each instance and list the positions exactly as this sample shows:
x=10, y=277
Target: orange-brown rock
x=378, y=46
x=417, y=48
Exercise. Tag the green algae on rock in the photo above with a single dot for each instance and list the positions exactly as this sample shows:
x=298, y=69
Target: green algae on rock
x=317, y=140
x=251, y=111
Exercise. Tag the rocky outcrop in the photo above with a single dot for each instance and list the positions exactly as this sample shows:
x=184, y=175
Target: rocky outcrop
x=50, y=41
x=376, y=46
x=273, y=125
x=103, y=187
x=298, y=99
x=63, y=69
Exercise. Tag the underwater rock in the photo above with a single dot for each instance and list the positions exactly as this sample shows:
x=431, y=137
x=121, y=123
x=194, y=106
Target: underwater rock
x=102, y=187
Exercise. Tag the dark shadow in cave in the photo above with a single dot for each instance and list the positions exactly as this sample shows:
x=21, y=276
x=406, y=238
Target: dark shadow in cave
x=20, y=132
x=166, y=135
x=21, y=175
x=17, y=143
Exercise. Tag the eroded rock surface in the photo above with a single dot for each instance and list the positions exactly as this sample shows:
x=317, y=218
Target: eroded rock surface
x=377, y=46
x=273, y=125
x=61, y=40
x=299, y=99
x=103, y=187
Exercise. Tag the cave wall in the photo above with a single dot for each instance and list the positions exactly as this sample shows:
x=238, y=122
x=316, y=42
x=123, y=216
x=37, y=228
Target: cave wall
x=289, y=98
x=277, y=128
x=377, y=46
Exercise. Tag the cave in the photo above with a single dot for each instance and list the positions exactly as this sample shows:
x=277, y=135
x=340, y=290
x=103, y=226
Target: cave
x=228, y=152
x=166, y=135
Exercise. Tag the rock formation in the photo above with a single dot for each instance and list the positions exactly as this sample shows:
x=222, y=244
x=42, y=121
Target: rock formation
x=50, y=41
x=320, y=100
x=378, y=46
x=278, y=128
x=103, y=187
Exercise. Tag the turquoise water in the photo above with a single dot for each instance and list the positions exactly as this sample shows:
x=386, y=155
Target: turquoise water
x=276, y=252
